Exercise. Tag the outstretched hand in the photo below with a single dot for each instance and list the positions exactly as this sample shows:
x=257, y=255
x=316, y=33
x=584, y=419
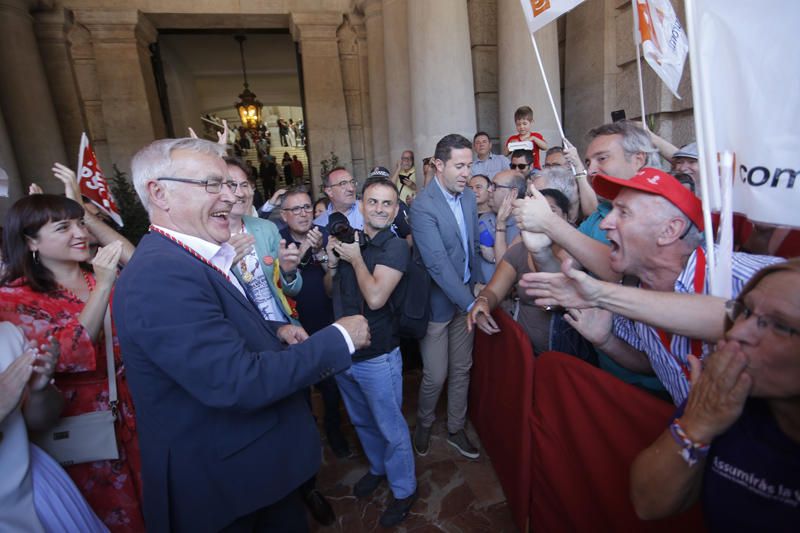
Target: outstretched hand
x=594, y=324
x=570, y=288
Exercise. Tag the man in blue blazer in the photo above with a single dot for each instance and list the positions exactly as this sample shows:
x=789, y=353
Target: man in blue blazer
x=225, y=435
x=444, y=224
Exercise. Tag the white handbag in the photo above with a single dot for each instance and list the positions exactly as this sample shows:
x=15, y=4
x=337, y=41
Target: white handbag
x=88, y=437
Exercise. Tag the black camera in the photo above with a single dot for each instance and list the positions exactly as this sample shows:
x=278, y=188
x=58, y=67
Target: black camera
x=339, y=227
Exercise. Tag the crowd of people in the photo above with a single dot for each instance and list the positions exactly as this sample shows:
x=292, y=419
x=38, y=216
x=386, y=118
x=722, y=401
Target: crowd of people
x=202, y=343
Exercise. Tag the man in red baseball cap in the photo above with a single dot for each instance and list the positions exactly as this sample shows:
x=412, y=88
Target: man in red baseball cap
x=655, y=231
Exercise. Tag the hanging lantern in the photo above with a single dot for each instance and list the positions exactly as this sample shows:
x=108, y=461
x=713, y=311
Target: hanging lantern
x=248, y=106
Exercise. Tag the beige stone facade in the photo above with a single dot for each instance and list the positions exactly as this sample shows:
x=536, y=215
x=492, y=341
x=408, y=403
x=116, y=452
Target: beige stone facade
x=378, y=76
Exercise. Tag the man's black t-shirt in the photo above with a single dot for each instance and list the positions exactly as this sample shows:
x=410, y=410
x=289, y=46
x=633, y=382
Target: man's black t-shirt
x=384, y=249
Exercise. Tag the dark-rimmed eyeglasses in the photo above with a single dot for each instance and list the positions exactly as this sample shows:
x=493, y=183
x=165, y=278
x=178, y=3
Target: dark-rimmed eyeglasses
x=736, y=309
x=493, y=186
x=344, y=183
x=306, y=208
x=212, y=186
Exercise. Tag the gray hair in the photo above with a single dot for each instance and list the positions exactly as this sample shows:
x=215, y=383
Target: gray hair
x=692, y=236
x=560, y=179
x=155, y=161
x=635, y=140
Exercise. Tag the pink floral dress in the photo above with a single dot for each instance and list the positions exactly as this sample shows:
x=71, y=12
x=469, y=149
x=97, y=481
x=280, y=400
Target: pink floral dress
x=112, y=488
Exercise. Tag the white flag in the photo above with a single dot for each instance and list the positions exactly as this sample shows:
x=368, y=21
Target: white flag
x=538, y=13
x=663, y=40
x=746, y=82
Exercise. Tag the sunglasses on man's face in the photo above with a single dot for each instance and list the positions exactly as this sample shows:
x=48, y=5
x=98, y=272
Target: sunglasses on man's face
x=520, y=166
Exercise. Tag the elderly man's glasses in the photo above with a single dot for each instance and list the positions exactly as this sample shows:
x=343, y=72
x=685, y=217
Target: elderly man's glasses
x=736, y=309
x=212, y=186
x=305, y=208
x=494, y=186
x=344, y=183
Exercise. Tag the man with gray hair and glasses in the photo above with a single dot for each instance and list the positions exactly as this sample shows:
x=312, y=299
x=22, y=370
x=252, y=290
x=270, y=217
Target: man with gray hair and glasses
x=226, y=435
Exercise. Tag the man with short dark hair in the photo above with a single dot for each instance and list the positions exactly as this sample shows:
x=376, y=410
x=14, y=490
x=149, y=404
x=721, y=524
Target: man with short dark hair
x=522, y=162
x=486, y=162
x=365, y=275
x=444, y=224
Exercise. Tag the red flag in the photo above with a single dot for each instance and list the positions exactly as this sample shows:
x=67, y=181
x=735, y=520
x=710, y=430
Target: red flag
x=93, y=183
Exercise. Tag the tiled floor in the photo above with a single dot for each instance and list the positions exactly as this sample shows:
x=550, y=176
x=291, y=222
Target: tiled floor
x=455, y=494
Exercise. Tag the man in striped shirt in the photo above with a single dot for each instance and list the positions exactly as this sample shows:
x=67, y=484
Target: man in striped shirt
x=655, y=231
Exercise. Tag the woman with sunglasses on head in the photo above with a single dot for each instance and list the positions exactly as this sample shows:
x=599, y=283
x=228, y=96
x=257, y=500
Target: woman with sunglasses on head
x=50, y=291
x=734, y=444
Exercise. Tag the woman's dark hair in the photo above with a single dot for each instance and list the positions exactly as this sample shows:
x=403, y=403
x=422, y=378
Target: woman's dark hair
x=558, y=197
x=23, y=221
x=324, y=201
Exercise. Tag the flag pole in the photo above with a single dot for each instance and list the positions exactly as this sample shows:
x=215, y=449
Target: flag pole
x=547, y=87
x=637, y=44
x=707, y=170
x=84, y=142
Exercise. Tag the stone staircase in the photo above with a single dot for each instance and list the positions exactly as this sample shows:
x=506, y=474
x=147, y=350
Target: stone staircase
x=277, y=152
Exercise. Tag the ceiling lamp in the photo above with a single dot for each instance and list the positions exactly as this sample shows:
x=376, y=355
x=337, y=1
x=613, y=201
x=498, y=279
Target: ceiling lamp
x=248, y=106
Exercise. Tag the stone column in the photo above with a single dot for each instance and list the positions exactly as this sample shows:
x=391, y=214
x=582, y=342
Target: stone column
x=520, y=81
x=351, y=81
x=373, y=20
x=584, y=72
x=8, y=165
x=85, y=68
x=396, y=34
x=325, y=108
x=442, y=90
x=26, y=100
x=51, y=29
x=360, y=28
x=127, y=89
x=483, y=38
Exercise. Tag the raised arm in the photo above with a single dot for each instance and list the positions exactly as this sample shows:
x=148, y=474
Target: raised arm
x=697, y=316
x=663, y=481
x=534, y=214
x=104, y=233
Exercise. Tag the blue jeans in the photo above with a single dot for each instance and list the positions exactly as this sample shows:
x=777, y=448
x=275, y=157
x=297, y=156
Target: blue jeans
x=373, y=394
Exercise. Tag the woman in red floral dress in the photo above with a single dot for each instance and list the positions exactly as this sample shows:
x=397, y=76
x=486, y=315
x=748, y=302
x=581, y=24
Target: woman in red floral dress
x=46, y=292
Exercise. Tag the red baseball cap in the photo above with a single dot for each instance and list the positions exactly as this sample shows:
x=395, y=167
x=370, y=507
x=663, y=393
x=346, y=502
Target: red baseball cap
x=654, y=181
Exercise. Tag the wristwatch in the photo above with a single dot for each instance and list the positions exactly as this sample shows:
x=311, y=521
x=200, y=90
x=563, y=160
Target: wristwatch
x=322, y=258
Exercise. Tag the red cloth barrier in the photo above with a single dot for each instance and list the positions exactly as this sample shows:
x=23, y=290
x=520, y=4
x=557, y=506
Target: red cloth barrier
x=500, y=400
x=587, y=428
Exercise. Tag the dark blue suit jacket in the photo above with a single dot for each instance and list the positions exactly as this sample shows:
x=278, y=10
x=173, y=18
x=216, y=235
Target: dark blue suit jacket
x=222, y=427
